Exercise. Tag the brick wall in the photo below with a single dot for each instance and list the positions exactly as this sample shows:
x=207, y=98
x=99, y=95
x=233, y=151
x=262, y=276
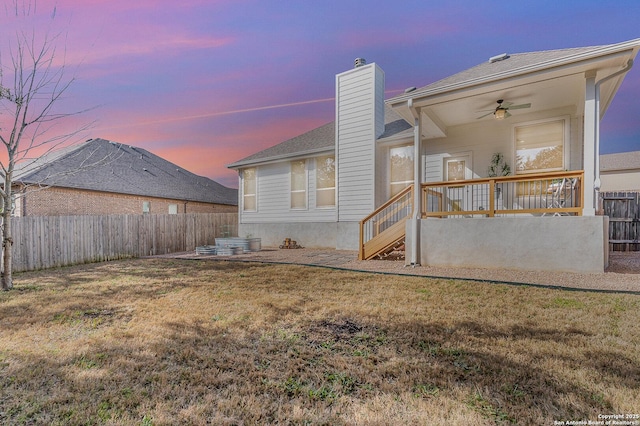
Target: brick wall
x=63, y=202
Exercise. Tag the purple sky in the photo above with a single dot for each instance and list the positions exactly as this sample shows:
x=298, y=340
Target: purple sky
x=204, y=83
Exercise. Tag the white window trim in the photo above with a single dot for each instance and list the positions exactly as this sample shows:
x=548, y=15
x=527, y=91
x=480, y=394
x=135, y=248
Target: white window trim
x=464, y=155
x=306, y=190
x=405, y=144
x=256, y=192
x=334, y=187
x=566, y=143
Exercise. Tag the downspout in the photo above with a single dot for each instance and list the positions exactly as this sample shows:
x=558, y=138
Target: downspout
x=415, y=231
x=596, y=183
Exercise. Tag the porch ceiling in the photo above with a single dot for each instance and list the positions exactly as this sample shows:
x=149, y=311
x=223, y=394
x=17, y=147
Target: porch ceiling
x=545, y=90
x=545, y=95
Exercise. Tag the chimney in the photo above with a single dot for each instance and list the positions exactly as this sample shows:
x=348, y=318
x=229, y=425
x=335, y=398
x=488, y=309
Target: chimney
x=359, y=122
x=359, y=62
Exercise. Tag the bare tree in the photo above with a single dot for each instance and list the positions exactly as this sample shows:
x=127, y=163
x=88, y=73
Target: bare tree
x=33, y=80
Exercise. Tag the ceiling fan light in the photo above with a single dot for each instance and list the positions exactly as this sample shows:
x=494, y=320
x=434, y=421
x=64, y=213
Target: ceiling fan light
x=500, y=114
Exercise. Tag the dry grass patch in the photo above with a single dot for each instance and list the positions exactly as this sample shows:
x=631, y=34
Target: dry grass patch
x=159, y=342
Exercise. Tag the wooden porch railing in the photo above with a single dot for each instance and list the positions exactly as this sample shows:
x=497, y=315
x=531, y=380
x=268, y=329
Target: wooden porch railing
x=540, y=194
x=385, y=227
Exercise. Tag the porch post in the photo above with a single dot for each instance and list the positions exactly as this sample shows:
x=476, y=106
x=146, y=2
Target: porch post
x=417, y=204
x=591, y=118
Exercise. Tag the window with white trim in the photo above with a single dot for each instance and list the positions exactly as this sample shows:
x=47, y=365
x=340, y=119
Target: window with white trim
x=299, y=184
x=249, y=190
x=326, y=181
x=540, y=147
x=400, y=168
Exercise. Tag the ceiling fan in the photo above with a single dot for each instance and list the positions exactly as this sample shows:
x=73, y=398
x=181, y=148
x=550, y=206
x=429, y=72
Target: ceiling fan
x=502, y=110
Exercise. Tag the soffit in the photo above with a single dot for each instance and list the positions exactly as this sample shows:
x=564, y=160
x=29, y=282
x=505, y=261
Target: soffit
x=545, y=89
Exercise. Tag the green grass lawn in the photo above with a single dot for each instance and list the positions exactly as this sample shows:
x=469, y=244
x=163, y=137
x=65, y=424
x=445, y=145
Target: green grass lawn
x=165, y=342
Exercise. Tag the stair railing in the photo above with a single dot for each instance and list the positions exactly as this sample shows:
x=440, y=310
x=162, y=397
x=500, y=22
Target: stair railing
x=395, y=210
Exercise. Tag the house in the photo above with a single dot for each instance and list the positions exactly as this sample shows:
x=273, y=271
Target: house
x=620, y=172
x=100, y=177
x=414, y=170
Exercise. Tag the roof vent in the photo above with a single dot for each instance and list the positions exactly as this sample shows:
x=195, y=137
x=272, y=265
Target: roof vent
x=359, y=62
x=497, y=58
x=409, y=89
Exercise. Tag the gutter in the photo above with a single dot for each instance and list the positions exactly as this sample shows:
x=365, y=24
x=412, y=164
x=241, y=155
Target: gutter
x=276, y=158
x=626, y=69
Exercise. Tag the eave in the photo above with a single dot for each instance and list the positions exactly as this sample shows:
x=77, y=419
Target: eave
x=278, y=158
x=444, y=105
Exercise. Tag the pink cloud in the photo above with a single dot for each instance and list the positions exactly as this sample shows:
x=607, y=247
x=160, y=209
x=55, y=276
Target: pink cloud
x=165, y=44
x=101, y=32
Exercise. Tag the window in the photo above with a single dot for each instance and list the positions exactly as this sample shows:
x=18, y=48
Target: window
x=299, y=184
x=401, y=168
x=146, y=207
x=456, y=170
x=249, y=186
x=540, y=147
x=173, y=209
x=326, y=181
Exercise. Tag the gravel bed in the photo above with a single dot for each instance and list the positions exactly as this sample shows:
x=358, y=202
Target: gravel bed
x=623, y=273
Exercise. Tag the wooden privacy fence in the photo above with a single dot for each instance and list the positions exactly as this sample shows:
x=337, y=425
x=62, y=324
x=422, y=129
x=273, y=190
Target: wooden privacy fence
x=42, y=242
x=623, y=209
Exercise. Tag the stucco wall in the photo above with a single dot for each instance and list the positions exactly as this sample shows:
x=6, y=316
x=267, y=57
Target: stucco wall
x=309, y=234
x=620, y=181
x=569, y=244
x=63, y=201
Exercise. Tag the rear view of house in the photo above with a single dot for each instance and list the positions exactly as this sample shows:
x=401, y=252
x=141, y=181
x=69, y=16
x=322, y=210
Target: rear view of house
x=419, y=169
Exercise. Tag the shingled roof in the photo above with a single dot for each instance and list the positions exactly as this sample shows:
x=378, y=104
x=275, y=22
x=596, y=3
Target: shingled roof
x=502, y=66
x=620, y=161
x=102, y=165
x=318, y=140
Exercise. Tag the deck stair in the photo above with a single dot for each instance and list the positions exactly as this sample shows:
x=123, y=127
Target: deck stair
x=393, y=252
x=382, y=233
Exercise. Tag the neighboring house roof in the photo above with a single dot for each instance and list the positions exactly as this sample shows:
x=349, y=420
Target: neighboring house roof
x=318, y=140
x=101, y=165
x=620, y=161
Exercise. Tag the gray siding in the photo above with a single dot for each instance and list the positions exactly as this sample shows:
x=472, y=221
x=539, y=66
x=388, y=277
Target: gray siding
x=359, y=121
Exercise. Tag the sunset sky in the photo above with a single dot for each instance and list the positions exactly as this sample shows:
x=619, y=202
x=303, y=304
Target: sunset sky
x=204, y=83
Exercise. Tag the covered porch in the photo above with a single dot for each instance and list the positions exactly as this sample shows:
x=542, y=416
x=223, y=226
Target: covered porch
x=541, y=112
x=532, y=222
